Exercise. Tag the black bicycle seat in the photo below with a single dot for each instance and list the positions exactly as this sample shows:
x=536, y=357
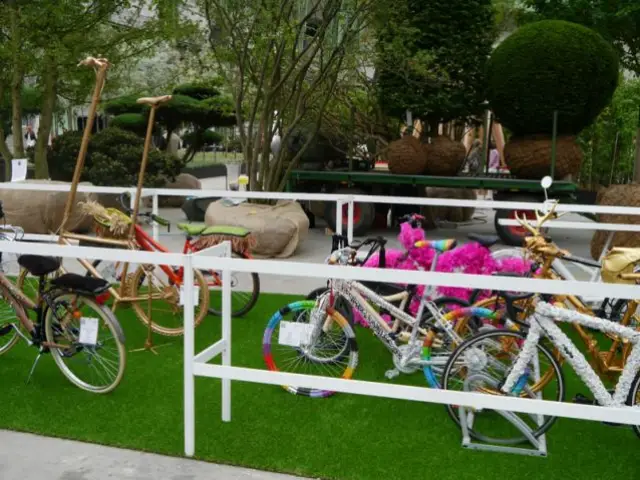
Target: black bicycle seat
x=38, y=265
x=81, y=284
x=487, y=241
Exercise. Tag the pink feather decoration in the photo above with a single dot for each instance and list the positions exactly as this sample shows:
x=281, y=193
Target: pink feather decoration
x=470, y=258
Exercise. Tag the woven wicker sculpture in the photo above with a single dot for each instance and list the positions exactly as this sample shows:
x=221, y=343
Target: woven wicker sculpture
x=530, y=156
x=444, y=156
x=406, y=156
x=618, y=195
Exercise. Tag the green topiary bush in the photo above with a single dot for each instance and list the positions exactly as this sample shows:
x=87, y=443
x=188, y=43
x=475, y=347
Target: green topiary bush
x=132, y=122
x=113, y=158
x=551, y=65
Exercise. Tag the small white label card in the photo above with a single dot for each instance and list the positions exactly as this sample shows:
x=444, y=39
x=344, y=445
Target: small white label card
x=294, y=334
x=196, y=295
x=18, y=169
x=89, y=330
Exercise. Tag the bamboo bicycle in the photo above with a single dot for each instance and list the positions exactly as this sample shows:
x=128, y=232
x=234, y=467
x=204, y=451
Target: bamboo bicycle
x=160, y=305
x=155, y=296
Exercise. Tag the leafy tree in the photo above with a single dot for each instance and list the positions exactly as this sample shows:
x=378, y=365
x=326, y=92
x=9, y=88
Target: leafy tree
x=282, y=61
x=431, y=57
x=616, y=20
x=609, y=143
x=45, y=40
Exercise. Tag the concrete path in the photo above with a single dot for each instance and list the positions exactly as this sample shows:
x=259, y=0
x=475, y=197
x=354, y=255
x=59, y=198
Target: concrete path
x=31, y=457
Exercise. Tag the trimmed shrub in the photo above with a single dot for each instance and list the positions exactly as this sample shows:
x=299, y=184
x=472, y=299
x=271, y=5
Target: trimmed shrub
x=547, y=66
x=131, y=122
x=125, y=104
x=113, y=158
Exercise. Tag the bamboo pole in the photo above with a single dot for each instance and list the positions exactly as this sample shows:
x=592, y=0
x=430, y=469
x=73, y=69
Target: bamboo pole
x=101, y=66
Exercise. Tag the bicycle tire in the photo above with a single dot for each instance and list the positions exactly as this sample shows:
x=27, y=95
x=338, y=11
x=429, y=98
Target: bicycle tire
x=350, y=352
x=173, y=294
x=53, y=333
x=633, y=400
x=452, y=410
x=8, y=330
x=253, y=297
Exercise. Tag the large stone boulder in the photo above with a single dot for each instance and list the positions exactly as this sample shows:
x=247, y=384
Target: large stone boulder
x=39, y=211
x=278, y=229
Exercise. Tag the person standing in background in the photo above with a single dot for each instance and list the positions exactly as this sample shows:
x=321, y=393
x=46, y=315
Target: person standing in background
x=494, y=158
x=29, y=137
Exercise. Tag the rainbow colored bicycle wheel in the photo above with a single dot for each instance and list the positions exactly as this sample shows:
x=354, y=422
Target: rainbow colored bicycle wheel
x=294, y=343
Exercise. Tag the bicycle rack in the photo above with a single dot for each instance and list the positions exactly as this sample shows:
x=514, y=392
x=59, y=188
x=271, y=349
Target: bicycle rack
x=538, y=445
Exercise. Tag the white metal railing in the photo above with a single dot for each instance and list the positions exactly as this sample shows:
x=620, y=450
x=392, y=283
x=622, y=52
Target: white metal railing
x=339, y=199
x=216, y=258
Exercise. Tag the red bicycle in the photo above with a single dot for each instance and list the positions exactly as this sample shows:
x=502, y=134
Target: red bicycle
x=245, y=287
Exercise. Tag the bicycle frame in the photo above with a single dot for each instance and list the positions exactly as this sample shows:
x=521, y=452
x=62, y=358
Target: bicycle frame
x=608, y=361
x=543, y=322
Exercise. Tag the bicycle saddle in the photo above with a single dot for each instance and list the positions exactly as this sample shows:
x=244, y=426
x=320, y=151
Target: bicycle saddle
x=487, y=241
x=81, y=284
x=38, y=265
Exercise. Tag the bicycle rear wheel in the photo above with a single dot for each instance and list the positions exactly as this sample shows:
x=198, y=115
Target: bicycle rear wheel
x=96, y=366
x=481, y=364
x=330, y=351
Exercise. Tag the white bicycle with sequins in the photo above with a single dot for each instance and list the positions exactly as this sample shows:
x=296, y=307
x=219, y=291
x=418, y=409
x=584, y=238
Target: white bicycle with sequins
x=511, y=362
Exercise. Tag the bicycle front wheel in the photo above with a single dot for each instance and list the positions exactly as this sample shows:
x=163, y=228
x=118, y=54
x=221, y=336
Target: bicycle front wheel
x=94, y=363
x=481, y=364
x=245, y=290
x=167, y=312
x=329, y=348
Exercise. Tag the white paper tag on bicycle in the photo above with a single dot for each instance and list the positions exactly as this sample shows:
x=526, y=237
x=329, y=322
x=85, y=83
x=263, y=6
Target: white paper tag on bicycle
x=294, y=334
x=88, y=331
x=196, y=295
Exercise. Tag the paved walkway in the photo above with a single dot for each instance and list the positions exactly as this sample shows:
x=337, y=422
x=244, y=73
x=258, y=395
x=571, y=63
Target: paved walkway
x=31, y=457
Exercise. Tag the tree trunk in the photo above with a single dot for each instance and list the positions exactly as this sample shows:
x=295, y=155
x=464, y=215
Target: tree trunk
x=49, y=93
x=17, y=78
x=636, y=167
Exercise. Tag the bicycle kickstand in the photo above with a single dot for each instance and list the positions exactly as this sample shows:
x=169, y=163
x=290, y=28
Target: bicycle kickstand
x=35, y=363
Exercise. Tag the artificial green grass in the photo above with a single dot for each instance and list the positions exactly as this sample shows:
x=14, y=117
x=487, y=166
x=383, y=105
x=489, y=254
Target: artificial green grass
x=342, y=437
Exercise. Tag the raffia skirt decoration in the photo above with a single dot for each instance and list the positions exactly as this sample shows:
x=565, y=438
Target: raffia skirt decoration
x=107, y=222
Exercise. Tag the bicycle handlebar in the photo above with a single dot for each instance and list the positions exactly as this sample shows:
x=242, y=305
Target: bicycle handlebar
x=159, y=220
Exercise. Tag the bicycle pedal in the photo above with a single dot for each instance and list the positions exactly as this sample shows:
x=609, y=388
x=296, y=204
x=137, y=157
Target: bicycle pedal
x=391, y=374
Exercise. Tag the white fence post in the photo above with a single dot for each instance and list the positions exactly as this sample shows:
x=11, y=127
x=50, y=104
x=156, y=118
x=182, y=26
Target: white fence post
x=226, y=337
x=339, y=204
x=350, y=220
x=154, y=210
x=189, y=352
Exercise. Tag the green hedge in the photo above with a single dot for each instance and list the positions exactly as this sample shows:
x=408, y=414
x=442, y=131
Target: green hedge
x=132, y=122
x=113, y=158
x=551, y=65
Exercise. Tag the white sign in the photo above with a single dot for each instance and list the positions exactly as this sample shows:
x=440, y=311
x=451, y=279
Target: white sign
x=196, y=295
x=18, y=169
x=294, y=334
x=88, y=331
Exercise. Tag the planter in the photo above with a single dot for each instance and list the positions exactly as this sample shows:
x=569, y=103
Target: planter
x=530, y=156
x=445, y=157
x=406, y=156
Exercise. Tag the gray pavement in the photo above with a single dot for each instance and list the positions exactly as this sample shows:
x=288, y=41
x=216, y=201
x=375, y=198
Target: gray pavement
x=65, y=460
x=31, y=457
